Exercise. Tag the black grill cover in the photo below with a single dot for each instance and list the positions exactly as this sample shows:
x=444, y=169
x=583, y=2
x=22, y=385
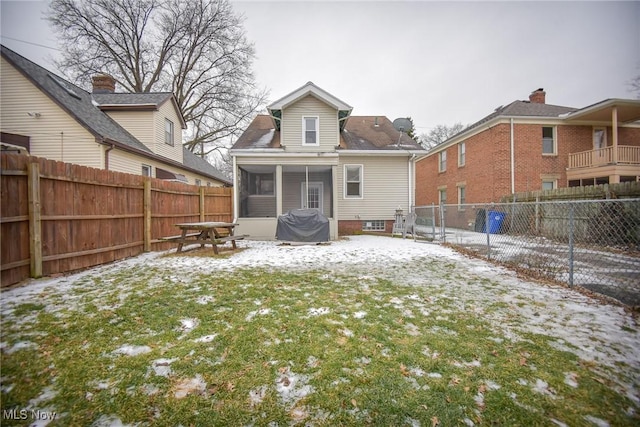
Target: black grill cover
x=303, y=225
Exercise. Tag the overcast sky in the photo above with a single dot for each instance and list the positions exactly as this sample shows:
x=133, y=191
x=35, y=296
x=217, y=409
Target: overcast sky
x=438, y=62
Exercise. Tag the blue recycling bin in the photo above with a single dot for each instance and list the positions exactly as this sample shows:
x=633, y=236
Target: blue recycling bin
x=494, y=220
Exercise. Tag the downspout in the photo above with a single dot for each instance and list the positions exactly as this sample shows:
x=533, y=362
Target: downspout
x=235, y=189
x=106, y=156
x=411, y=177
x=513, y=166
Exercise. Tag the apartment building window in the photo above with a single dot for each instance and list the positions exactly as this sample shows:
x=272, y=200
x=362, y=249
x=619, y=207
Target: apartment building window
x=462, y=151
x=462, y=196
x=442, y=196
x=549, y=184
x=168, y=132
x=310, y=130
x=548, y=140
x=146, y=170
x=353, y=181
x=442, y=165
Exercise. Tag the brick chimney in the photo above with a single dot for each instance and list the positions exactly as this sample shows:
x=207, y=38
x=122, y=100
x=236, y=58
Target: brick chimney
x=537, y=96
x=103, y=83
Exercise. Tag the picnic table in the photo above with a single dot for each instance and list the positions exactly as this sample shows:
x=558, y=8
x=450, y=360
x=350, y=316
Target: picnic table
x=206, y=233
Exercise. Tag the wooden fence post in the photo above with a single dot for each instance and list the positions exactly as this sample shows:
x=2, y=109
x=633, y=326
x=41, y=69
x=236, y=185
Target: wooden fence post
x=201, y=191
x=147, y=214
x=35, y=224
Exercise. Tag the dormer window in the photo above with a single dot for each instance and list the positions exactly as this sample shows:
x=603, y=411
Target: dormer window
x=310, y=131
x=168, y=132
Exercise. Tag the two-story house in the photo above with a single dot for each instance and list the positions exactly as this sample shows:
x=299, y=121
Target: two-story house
x=531, y=145
x=138, y=133
x=310, y=152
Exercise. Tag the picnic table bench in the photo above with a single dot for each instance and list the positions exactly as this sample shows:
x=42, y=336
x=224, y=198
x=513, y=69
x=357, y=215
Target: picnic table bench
x=206, y=233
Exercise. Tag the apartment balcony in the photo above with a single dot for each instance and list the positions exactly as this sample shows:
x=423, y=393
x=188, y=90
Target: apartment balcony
x=605, y=165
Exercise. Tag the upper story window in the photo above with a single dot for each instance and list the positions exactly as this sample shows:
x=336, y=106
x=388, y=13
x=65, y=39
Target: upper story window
x=146, y=170
x=198, y=182
x=548, y=140
x=168, y=132
x=442, y=161
x=353, y=181
x=310, y=131
x=462, y=153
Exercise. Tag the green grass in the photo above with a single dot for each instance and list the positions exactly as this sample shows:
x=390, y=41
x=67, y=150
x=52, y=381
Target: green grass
x=354, y=350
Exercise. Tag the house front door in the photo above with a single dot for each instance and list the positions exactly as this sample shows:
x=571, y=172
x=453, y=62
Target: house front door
x=312, y=199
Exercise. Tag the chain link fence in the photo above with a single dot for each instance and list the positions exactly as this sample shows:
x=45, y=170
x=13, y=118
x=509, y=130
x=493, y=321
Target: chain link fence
x=594, y=244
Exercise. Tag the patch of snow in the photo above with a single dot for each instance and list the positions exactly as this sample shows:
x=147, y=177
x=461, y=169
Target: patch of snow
x=206, y=338
x=292, y=387
x=132, y=350
x=188, y=386
x=571, y=379
x=596, y=421
x=257, y=395
x=319, y=311
x=359, y=314
x=205, y=299
x=21, y=345
x=187, y=325
x=162, y=367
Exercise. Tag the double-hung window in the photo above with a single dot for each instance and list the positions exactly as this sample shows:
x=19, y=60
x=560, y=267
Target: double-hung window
x=310, y=131
x=353, y=181
x=548, y=140
x=442, y=161
x=462, y=153
x=168, y=132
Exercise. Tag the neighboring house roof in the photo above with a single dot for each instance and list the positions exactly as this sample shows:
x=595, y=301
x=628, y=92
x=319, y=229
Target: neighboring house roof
x=626, y=110
x=194, y=162
x=360, y=133
x=136, y=101
x=515, y=109
x=521, y=109
x=85, y=108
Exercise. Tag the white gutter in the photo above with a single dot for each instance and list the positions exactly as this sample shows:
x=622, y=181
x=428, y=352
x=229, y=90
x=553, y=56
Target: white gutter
x=281, y=153
x=513, y=166
x=394, y=152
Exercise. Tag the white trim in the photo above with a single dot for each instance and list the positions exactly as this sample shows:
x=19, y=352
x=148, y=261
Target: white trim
x=344, y=182
x=309, y=88
x=381, y=152
x=304, y=131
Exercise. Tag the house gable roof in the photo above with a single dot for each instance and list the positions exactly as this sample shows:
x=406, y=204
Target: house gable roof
x=275, y=108
x=86, y=110
x=137, y=101
x=361, y=133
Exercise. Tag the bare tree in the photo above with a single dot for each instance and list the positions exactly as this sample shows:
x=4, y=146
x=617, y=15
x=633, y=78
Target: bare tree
x=634, y=85
x=196, y=49
x=439, y=134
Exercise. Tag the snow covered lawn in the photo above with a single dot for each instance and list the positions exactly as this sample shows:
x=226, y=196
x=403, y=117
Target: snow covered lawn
x=368, y=329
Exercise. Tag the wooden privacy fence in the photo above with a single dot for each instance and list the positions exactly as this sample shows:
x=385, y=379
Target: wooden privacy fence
x=57, y=217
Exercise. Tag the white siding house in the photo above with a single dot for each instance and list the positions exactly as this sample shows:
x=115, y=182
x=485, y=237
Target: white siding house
x=309, y=152
x=139, y=133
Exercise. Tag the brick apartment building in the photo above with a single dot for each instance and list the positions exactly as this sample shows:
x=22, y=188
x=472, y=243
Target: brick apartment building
x=531, y=145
